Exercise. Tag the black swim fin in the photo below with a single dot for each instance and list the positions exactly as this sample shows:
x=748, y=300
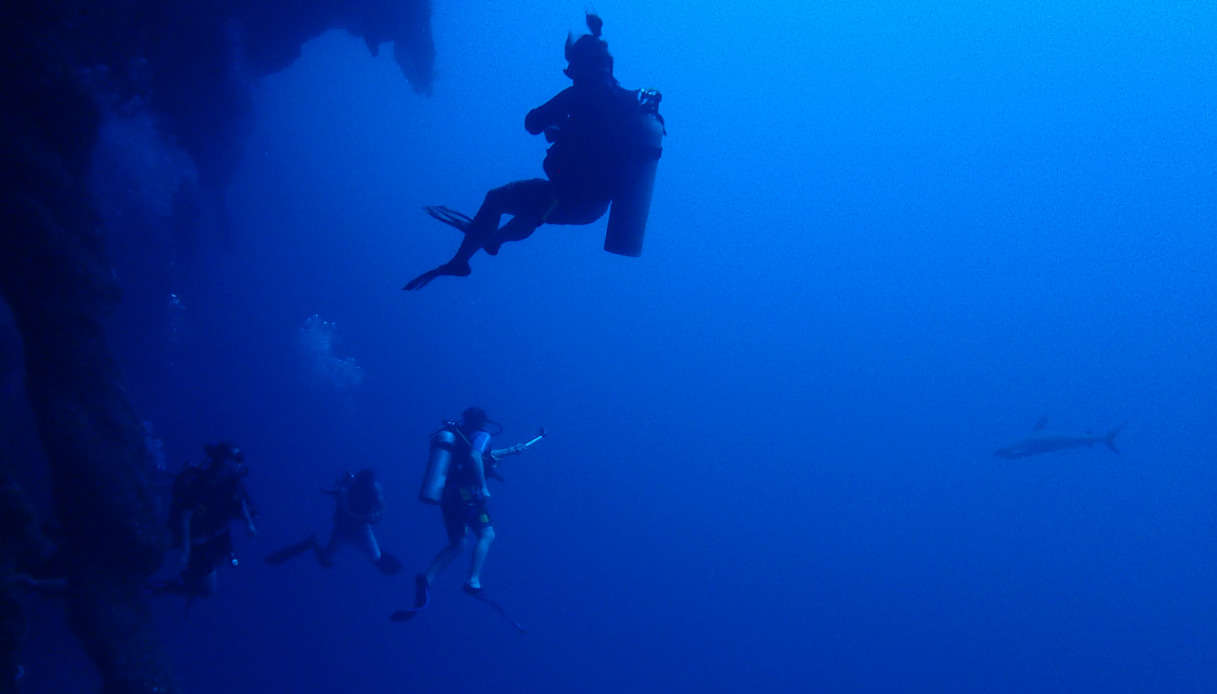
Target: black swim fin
x=422, y=280
x=462, y=222
x=402, y=615
x=292, y=551
x=480, y=594
x=450, y=217
x=448, y=269
x=421, y=598
x=388, y=564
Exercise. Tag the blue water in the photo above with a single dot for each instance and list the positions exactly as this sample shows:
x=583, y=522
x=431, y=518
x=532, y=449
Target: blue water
x=886, y=239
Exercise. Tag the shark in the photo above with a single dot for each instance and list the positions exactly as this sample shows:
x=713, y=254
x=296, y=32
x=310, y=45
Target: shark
x=1042, y=440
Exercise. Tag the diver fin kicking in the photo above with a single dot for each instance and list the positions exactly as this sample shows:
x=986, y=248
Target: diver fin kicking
x=445, y=270
x=463, y=223
x=449, y=216
x=451, y=268
x=606, y=142
x=460, y=461
x=292, y=551
x=480, y=594
x=358, y=505
x=421, y=598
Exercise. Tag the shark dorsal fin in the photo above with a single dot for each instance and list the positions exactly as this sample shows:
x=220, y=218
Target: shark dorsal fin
x=1042, y=424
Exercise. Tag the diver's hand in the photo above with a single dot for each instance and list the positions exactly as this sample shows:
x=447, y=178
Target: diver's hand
x=251, y=529
x=518, y=449
x=485, y=492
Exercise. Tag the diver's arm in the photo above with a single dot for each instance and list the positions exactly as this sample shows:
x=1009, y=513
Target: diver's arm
x=248, y=516
x=517, y=449
x=551, y=113
x=477, y=449
x=479, y=473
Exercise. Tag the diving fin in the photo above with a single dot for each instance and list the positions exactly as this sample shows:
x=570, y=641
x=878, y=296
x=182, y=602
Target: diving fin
x=422, y=280
x=292, y=551
x=450, y=217
x=421, y=598
x=480, y=594
x=388, y=564
x=457, y=221
x=448, y=269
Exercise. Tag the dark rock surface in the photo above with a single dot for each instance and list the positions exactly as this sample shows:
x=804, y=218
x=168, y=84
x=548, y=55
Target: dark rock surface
x=190, y=62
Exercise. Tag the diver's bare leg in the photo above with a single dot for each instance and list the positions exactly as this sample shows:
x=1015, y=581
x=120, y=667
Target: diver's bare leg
x=479, y=556
x=444, y=558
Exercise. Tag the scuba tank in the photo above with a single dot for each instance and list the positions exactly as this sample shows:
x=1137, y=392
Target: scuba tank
x=628, y=216
x=443, y=445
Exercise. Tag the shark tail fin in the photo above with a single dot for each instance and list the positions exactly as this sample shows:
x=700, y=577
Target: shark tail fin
x=1110, y=438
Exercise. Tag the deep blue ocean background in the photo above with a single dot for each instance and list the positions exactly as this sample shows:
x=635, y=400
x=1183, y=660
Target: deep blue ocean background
x=886, y=239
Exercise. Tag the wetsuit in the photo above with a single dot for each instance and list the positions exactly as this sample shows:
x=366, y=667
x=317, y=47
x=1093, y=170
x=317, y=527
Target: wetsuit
x=586, y=165
x=588, y=159
x=589, y=162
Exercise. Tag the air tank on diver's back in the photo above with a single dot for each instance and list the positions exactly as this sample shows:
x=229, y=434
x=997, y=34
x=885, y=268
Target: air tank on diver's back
x=443, y=444
x=628, y=216
x=439, y=461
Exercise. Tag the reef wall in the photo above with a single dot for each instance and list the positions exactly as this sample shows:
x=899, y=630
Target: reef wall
x=190, y=62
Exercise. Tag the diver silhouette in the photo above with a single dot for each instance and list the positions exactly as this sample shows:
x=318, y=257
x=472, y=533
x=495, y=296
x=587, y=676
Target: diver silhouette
x=605, y=144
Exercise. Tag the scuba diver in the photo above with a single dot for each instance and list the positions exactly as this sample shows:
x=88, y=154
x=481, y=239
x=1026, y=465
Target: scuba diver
x=358, y=505
x=461, y=461
x=605, y=145
x=206, y=498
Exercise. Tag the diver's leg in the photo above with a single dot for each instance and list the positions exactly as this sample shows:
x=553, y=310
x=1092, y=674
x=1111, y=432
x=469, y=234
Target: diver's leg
x=529, y=203
x=293, y=551
x=388, y=564
x=497, y=202
x=519, y=198
x=208, y=584
x=454, y=525
x=547, y=208
x=516, y=229
x=364, y=541
x=480, y=230
x=199, y=577
x=485, y=537
x=443, y=559
x=577, y=210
